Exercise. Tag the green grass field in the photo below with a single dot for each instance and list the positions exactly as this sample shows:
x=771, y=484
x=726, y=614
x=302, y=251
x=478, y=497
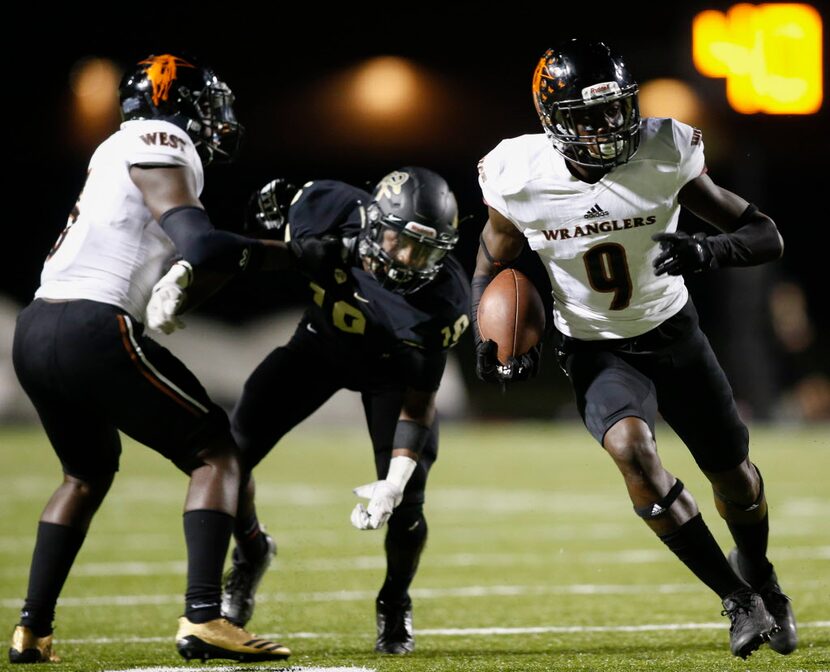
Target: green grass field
x=535, y=560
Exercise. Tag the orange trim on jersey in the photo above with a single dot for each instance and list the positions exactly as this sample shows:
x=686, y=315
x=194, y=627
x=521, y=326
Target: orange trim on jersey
x=122, y=326
x=161, y=71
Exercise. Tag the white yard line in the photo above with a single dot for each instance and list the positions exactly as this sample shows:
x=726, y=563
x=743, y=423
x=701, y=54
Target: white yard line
x=418, y=593
x=378, y=561
x=448, y=632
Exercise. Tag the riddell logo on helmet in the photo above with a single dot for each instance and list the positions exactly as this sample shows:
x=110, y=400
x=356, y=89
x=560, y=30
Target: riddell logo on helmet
x=600, y=90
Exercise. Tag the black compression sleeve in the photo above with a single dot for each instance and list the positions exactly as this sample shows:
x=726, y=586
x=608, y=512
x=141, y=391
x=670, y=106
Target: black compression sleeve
x=410, y=435
x=477, y=286
x=199, y=243
x=755, y=240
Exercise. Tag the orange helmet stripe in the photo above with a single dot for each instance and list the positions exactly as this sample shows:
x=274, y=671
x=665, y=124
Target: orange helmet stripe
x=161, y=71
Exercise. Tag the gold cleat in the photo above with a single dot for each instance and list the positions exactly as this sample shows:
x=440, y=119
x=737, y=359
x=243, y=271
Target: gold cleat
x=220, y=638
x=28, y=648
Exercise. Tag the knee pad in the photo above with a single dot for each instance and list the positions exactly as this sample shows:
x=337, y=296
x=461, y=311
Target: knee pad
x=659, y=507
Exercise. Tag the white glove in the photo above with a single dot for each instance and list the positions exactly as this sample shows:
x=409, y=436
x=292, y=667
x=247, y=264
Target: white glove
x=167, y=297
x=383, y=495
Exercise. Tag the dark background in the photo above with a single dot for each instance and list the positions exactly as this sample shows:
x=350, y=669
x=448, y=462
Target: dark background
x=481, y=57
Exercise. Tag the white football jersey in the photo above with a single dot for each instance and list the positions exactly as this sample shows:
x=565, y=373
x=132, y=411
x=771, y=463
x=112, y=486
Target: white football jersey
x=595, y=239
x=112, y=250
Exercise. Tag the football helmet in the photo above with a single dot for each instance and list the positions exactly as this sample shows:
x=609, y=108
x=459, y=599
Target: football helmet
x=410, y=226
x=587, y=101
x=177, y=87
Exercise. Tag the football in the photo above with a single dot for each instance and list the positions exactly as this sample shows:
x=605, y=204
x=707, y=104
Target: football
x=511, y=313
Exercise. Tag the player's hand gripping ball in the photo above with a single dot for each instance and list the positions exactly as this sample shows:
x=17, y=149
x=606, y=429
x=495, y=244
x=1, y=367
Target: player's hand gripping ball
x=511, y=323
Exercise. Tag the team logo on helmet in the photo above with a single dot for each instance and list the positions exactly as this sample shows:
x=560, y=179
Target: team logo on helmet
x=161, y=72
x=391, y=184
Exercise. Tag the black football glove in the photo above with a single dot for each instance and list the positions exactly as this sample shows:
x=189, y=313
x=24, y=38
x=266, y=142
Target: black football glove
x=312, y=256
x=487, y=362
x=491, y=370
x=267, y=211
x=682, y=253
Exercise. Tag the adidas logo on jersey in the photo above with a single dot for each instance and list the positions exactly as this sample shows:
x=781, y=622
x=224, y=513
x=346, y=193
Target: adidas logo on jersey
x=596, y=211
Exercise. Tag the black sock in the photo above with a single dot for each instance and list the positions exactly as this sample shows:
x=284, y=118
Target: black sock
x=694, y=544
x=751, y=540
x=250, y=539
x=208, y=535
x=404, y=543
x=55, y=550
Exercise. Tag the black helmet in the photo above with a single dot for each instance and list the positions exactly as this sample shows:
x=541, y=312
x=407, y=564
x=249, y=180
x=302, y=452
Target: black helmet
x=410, y=226
x=584, y=86
x=178, y=88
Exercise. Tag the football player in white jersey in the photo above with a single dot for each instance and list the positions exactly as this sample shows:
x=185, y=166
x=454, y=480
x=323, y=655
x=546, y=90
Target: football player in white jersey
x=81, y=354
x=597, y=196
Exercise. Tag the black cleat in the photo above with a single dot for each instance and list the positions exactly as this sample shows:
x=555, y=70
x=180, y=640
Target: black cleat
x=221, y=639
x=29, y=648
x=778, y=605
x=395, y=634
x=241, y=582
x=751, y=623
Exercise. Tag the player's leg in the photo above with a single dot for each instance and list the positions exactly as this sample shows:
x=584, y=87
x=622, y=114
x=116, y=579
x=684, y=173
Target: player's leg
x=720, y=446
x=88, y=448
x=160, y=403
x=619, y=405
x=290, y=384
x=407, y=529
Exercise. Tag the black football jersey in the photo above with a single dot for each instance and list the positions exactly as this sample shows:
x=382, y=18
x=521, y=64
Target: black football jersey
x=357, y=315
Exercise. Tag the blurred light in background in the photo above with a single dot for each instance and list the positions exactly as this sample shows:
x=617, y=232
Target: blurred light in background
x=94, y=85
x=671, y=98
x=770, y=55
x=383, y=106
x=385, y=87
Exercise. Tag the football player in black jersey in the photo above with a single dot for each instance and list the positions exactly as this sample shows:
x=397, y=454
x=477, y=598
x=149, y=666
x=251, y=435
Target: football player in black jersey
x=388, y=301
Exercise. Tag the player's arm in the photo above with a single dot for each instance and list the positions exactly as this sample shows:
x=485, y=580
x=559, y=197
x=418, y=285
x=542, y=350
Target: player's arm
x=749, y=236
x=216, y=256
x=411, y=435
x=170, y=194
x=499, y=245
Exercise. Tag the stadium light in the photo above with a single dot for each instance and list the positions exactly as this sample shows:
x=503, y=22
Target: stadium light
x=769, y=54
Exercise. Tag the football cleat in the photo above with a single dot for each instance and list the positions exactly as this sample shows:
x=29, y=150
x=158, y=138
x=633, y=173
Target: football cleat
x=778, y=605
x=394, y=620
x=241, y=582
x=220, y=638
x=29, y=648
x=751, y=623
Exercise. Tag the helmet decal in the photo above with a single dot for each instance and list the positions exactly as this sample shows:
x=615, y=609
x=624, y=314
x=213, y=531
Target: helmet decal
x=391, y=184
x=161, y=71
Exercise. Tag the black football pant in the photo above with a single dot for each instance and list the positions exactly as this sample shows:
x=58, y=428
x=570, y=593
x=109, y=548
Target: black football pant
x=293, y=381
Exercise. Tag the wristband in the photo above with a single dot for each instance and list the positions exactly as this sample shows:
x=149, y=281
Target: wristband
x=400, y=470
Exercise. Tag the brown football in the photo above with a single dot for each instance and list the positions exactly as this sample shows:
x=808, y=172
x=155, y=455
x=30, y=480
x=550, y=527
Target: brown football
x=511, y=313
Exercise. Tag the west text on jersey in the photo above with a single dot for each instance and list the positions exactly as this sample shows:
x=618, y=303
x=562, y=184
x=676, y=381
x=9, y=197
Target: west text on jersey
x=166, y=139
